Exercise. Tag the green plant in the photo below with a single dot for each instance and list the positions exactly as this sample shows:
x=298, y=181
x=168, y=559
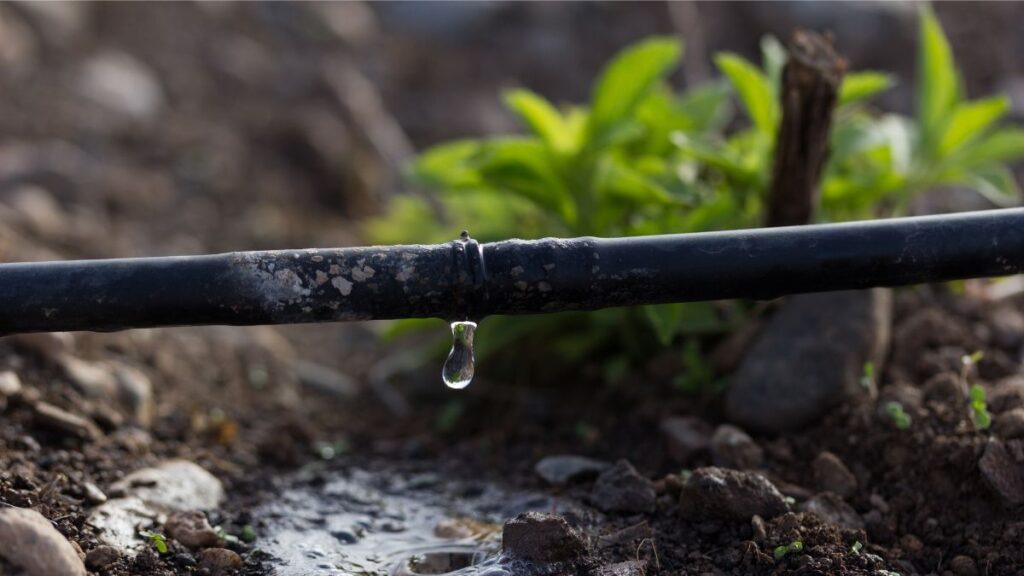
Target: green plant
x=642, y=158
x=976, y=400
x=780, y=552
x=867, y=379
x=857, y=547
x=899, y=418
x=248, y=534
x=159, y=541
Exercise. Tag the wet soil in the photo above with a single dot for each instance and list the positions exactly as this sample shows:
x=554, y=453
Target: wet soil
x=246, y=145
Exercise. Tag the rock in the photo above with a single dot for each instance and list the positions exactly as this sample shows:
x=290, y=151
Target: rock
x=113, y=381
x=831, y=508
x=831, y=475
x=687, y=436
x=145, y=495
x=191, y=529
x=540, y=537
x=808, y=358
x=219, y=561
x=1003, y=474
x=627, y=568
x=121, y=84
x=1010, y=424
x=621, y=489
x=731, y=447
x=1007, y=325
x=563, y=469
x=135, y=391
x=47, y=345
x=50, y=416
x=28, y=541
x=93, y=493
x=10, y=384
x=18, y=46
x=94, y=379
x=1007, y=394
x=173, y=485
x=101, y=556
x=713, y=493
x=963, y=566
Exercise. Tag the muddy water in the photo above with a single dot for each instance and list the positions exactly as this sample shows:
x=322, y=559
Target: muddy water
x=368, y=524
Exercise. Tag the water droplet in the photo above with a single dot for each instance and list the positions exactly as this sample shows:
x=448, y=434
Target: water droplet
x=458, y=368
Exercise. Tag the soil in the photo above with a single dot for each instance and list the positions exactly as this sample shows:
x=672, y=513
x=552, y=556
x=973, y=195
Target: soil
x=247, y=146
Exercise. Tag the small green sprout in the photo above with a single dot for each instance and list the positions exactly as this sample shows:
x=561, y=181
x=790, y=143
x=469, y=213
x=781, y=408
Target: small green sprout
x=979, y=408
x=857, y=547
x=867, y=379
x=895, y=411
x=781, y=551
x=158, y=540
x=974, y=358
x=223, y=535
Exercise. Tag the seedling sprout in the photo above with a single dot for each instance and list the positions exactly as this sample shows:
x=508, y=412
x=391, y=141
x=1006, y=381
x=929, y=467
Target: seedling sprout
x=895, y=411
x=781, y=551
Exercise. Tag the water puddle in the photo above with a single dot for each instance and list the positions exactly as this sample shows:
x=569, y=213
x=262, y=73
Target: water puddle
x=381, y=524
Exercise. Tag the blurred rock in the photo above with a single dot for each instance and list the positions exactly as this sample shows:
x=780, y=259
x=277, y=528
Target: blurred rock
x=18, y=46
x=720, y=494
x=621, y=489
x=831, y=508
x=540, y=537
x=219, y=561
x=50, y=416
x=59, y=21
x=10, y=384
x=1002, y=473
x=121, y=84
x=101, y=556
x=731, y=447
x=1010, y=424
x=831, y=475
x=627, y=568
x=28, y=541
x=191, y=529
x=687, y=436
x=563, y=469
x=809, y=357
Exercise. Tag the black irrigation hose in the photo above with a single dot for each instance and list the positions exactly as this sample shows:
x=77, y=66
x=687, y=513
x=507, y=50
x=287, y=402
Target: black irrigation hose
x=464, y=279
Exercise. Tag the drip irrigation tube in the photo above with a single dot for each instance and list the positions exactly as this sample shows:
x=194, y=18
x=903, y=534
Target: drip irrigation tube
x=465, y=279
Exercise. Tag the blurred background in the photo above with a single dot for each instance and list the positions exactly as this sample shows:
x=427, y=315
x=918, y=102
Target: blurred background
x=137, y=129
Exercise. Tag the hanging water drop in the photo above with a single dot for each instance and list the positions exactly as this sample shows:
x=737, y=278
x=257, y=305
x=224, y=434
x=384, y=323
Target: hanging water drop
x=458, y=368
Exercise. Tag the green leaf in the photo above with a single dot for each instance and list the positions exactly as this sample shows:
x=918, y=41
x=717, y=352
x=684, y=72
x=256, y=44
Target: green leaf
x=522, y=166
x=628, y=78
x=970, y=120
x=707, y=106
x=774, y=57
x=858, y=86
x=937, y=85
x=1003, y=145
x=614, y=179
x=542, y=119
x=446, y=166
x=996, y=183
x=665, y=320
x=754, y=90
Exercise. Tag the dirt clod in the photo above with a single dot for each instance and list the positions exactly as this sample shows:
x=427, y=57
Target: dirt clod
x=731, y=447
x=622, y=489
x=191, y=529
x=219, y=561
x=831, y=475
x=687, y=436
x=719, y=494
x=563, y=469
x=101, y=556
x=540, y=537
x=1003, y=474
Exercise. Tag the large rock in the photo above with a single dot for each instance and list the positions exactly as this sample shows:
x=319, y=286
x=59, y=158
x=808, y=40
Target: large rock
x=540, y=537
x=29, y=542
x=809, y=357
x=1003, y=473
x=720, y=494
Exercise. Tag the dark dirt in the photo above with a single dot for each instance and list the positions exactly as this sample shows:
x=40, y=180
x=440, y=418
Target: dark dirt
x=247, y=145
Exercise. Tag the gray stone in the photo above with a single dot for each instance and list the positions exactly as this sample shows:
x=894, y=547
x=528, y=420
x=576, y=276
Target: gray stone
x=540, y=537
x=146, y=495
x=831, y=475
x=810, y=357
x=687, y=436
x=1002, y=473
x=10, y=384
x=627, y=568
x=713, y=493
x=963, y=566
x=731, y=447
x=55, y=418
x=563, y=469
x=831, y=508
x=122, y=84
x=29, y=542
x=621, y=489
